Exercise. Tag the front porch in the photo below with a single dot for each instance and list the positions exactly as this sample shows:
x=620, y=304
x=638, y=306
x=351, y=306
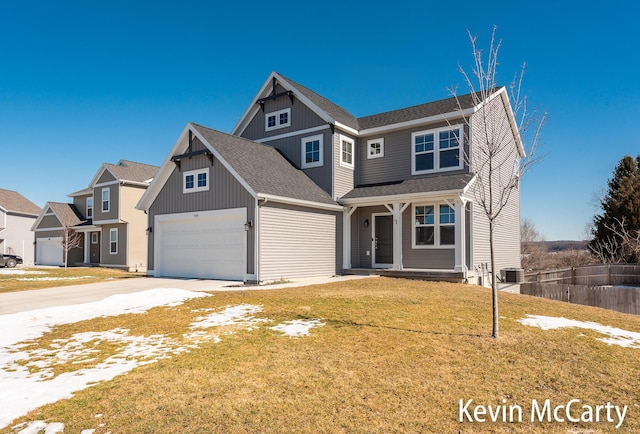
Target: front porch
x=417, y=274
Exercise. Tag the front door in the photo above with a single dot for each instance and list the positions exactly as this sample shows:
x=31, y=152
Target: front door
x=382, y=241
x=94, y=248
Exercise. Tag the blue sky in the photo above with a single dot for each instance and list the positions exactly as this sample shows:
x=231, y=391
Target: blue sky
x=85, y=82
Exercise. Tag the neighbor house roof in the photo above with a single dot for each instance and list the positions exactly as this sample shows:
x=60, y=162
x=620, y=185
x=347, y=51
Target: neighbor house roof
x=263, y=168
x=131, y=171
x=427, y=185
x=14, y=202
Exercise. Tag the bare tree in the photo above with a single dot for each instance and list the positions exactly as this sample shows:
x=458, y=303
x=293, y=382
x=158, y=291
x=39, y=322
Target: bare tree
x=533, y=252
x=621, y=246
x=70, y=240
x=498, y=161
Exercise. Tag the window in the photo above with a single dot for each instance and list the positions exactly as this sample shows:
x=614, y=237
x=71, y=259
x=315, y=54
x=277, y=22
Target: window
x=90, y=207
x=106, y=194
x=346, y=151
x=375, y=148
x=94, y=238
x=279, y=119
x=434, y=226
x=436, y=150
x=312, y=152
x=196, y=180
x=113, y=241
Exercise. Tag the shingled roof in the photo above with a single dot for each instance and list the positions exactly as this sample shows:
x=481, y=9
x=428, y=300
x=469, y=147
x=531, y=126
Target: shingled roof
x=13, y=202
x=131, y=171
x=264, y=168
x=433, y=184
x=66, y=213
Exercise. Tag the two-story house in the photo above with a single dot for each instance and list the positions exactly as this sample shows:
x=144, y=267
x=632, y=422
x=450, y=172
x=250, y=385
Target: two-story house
x=302, y=187
x=113, y=230
x=17, y=214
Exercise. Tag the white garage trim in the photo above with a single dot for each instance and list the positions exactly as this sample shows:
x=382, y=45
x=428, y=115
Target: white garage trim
x=204, y=244
x=49, y=251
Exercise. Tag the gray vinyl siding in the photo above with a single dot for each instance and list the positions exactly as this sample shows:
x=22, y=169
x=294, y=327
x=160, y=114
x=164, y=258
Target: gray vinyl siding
x=114, y=201
x=49, y=221
x=302, y=117
x=48, y=234
x=299, y=242
x=343, y=176
x=80, y=202
x=105, y=177
x=225, y=192
x=396, y=163
x=507, y=227
x=428, y=259
x=106, y=257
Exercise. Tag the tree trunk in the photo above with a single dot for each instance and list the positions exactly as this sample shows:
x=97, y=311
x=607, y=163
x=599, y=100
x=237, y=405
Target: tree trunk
x=494, y=283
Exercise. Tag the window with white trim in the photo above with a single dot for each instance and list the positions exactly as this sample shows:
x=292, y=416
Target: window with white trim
x=346, y=151
x=113, y=241
x=94, y=238
x=90, y=207
x=312, y=152
x=434, y=226
x=106, y=199
x=375, y=148
x=195, y=180
x=279, y=119
x=437, y=150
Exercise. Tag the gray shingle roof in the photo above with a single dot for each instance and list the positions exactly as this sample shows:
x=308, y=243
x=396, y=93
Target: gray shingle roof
x=264, y=168
x=13, y=201
x=431, y=184
x=131, y=171
x=66, y=213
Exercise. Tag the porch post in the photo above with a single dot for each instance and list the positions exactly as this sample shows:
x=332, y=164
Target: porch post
x=86, y=246
x=346, y=237
x=460, y=236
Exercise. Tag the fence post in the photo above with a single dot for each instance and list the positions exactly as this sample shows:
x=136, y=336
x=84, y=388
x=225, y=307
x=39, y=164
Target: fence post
x=609, y=274
x=573, y=275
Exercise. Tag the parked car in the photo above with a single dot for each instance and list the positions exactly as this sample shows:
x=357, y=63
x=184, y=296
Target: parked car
x=9, y=261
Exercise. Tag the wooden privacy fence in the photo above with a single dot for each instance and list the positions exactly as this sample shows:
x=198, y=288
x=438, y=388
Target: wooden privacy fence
x=618, y=298
x=591, y=285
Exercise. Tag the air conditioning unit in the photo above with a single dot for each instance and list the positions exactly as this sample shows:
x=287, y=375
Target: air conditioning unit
x=512, y=275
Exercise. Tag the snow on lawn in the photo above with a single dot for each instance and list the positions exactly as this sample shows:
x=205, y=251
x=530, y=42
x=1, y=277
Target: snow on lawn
x=617, y=336
x=19, y=271
x=298, y=327
x=27, y=372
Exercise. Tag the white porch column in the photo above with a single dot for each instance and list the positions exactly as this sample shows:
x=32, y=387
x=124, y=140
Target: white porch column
x=87, y=236
x=460, y=235
x=346, y=237
x=397, y=211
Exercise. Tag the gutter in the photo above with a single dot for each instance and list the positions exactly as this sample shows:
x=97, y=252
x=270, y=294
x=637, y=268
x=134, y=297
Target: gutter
x=299, y=202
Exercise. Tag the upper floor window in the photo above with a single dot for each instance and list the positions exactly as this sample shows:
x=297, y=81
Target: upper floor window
x=435, y=150
x=196, y=180
x=435, y=226
x=312, y=152
x=90, y=207
x=375, y=148
x=106, y=199
x=279, y=119
x=346, y=151
x=113, y=241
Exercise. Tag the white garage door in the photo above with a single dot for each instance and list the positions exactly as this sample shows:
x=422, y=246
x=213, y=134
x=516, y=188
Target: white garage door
x=49, y=251
x=208, y=244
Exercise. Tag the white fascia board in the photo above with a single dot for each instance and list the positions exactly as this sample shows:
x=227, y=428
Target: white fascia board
x=408, y=197
x=299, y=202
x=251, y=109
x=108, y=222
x=83, y=192
x=102, y=169
x=417, y=122
x=42, y=214
x=293, y=134
x=348, y=129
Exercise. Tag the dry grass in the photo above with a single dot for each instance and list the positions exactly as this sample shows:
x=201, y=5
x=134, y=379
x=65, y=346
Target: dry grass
x=394, y=356
x=59, y=277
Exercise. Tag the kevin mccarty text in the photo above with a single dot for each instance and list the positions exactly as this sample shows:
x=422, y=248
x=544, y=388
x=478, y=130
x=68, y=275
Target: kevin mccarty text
x=542, y=411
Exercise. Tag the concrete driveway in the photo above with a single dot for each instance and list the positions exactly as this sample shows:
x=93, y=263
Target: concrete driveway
x=13, y=302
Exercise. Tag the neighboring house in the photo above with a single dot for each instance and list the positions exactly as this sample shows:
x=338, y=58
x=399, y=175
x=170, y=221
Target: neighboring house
x=114, y=231
x=17, y=214
x=304, y=188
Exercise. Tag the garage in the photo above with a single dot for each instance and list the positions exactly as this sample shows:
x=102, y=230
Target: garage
x=206, y=245
x=49, y=251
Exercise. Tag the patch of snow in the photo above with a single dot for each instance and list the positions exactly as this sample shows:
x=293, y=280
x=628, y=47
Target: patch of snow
x=39, y=426
x=298, y=327
x=19, y=271
x=47, y=279
x=231, y=315
x=616, y=336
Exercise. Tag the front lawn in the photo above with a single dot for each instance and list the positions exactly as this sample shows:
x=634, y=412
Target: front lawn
x=23, y=279
x=385, y=355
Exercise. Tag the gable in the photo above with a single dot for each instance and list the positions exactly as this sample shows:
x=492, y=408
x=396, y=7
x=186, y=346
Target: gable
x=105, y=177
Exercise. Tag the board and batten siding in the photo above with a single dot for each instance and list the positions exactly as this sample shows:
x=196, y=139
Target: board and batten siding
x=507, y=225
x=297, y=242
x=225, y=192
x=302, y=117
x=395, y=165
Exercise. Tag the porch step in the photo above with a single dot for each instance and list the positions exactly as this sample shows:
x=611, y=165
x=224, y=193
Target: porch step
x=432, y=276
